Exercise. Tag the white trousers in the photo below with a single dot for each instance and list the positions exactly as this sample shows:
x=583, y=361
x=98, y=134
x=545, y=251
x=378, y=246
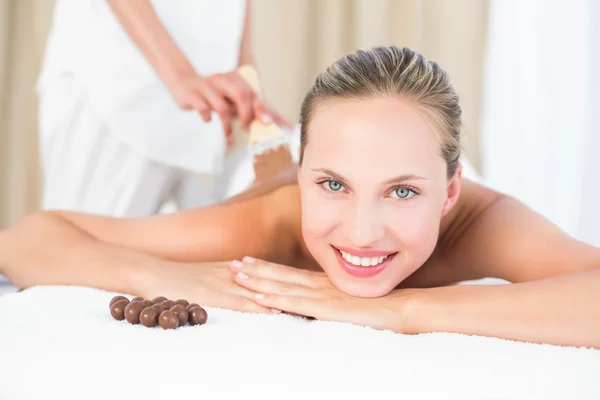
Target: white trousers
x=87, y=169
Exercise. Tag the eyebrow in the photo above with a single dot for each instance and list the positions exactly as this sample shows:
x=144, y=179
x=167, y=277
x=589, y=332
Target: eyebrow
x=397, y=179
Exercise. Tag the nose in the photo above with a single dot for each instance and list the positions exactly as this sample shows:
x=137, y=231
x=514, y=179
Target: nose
x=364, y=225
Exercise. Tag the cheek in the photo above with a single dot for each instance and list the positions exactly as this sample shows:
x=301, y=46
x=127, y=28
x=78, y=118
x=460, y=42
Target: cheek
x=320, y=217
x=416, y=228
x=413, y=224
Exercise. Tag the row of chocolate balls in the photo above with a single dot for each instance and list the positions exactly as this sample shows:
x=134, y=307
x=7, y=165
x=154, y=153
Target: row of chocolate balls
x=169, y=314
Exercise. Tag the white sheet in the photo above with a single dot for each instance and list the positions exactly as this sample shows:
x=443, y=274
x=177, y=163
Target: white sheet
x=6, y=287
x=61, y=343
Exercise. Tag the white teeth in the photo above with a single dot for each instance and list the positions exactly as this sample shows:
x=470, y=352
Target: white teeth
x=364, y=262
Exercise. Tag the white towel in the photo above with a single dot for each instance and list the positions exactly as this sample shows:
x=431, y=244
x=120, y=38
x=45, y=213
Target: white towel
x=61, y=343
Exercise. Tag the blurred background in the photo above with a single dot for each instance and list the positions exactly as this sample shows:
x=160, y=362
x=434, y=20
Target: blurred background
x=525, y=71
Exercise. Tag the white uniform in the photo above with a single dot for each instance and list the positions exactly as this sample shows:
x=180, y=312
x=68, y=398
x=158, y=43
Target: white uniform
x=112, y=139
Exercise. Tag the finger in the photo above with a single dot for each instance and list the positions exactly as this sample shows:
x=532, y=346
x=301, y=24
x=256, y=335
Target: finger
x=220, y=106
x=240, y=93
x=268, y=286
x=236, y=303
x=261, y=112
x=277, y=272
x=238, y=290
x=200, y=106
x=247, y=305
x=296, y=305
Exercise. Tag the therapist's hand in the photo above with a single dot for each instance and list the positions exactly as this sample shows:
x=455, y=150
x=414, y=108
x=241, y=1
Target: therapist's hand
x=228, y=95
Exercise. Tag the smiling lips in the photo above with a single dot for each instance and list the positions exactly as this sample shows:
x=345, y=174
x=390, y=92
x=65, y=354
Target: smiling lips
x=363, y=264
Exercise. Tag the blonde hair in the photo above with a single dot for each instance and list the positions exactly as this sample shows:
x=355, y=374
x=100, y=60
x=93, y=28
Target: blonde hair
x=392, y=72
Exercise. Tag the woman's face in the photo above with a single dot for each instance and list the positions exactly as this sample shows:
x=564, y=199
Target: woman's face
x=374, y=188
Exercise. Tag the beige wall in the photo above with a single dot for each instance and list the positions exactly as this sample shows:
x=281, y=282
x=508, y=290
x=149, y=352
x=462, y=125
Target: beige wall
x=21, y=45
x=294, y=40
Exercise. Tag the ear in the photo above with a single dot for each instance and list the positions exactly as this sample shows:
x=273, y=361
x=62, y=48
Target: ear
x=453, y=191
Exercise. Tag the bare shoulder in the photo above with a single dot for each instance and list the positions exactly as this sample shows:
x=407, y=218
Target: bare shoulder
x=446, y=265
x=490, y=234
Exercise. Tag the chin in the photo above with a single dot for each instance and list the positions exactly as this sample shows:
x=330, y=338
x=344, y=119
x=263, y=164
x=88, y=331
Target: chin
x=362, y=289
x=366, y=282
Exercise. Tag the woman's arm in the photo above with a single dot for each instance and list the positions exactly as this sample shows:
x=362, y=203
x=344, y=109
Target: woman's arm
x=44, y=249
x=561, y=311
x=255, y=222
x=555, y=298
x=165, y=255
x=91, y=250
x=216, y=233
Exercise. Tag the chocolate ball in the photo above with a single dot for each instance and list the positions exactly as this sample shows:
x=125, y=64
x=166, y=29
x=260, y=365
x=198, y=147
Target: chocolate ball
x=198, y=316
x=183, y=302
x=147, y=303
x=158, y=300
x=149, y=317
x=168, y=320
x=132, y=312
x=117, y=298
x=182, y=313
x=192, y=305
x=117, y=309
x=137, y=298
x=168, y=304
x=159, y=307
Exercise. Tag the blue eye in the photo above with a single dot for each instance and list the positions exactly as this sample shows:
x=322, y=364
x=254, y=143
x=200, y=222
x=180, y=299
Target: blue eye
x=334, y=185
x=403, y=192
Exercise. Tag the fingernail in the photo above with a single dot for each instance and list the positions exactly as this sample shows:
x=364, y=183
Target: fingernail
x=266, y=118
x=275, y=311
x=259, y=296
x=242, y=275
x=249, y=260
x=237, y=264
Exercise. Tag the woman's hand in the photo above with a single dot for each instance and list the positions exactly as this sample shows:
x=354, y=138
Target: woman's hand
x=209, y=284
x=226, y=94
x=312, y=294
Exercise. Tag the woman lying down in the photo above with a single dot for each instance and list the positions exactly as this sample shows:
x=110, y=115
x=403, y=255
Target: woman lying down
x=373, y=228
